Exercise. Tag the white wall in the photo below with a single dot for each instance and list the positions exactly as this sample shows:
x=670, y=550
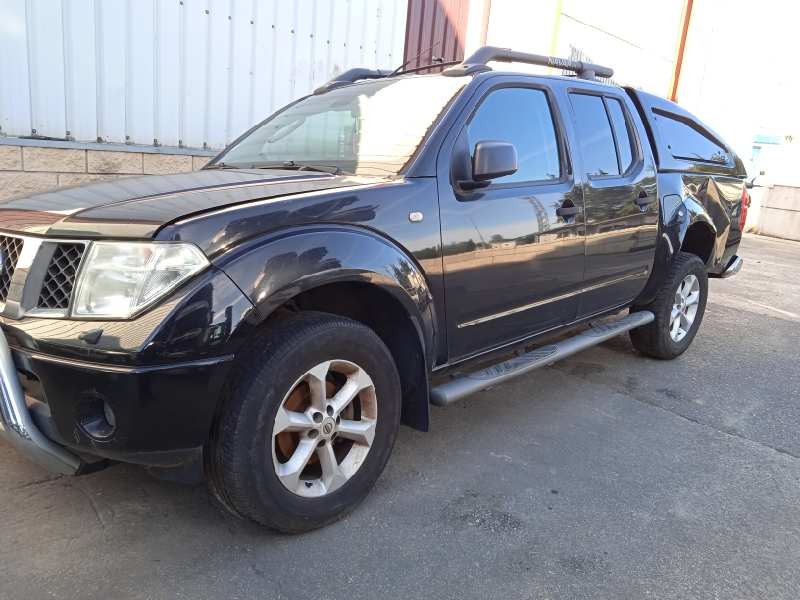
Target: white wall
x=739, y=71
x=637, y=38
x=194, y=73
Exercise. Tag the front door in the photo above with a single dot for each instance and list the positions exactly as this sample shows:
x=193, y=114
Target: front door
x=619, y=196
x=513, y=251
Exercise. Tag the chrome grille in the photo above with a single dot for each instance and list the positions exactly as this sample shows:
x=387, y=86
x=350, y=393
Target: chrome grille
x=60, y=278
x=10, y=248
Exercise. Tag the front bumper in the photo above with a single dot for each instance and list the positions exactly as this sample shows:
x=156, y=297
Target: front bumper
x=161, y=374
x=163, y=413
x=17, y=426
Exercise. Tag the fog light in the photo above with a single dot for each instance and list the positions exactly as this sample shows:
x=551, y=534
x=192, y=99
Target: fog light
x=97, y=419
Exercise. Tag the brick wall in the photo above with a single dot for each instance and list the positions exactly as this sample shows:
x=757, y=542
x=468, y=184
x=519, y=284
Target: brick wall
x=30, y=169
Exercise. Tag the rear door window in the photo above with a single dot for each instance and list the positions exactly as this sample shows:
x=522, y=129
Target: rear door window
x=595, y=138
x=687, y=142
x=622, y=131
x=605, y=135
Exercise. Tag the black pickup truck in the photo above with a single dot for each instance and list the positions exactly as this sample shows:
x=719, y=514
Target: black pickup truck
x=393, y=240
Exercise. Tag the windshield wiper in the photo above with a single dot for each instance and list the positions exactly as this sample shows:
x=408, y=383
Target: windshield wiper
x=288, y=165
x=332, y=169
x=291, y=165
x=219, y=165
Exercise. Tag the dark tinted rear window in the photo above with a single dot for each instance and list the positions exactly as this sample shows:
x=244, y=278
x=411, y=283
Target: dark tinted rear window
x=686, y=142
x=594, y=135
x=622, y=130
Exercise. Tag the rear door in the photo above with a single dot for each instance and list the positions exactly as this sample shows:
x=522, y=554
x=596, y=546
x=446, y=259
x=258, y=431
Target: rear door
x=620, y=199
x=513, y=252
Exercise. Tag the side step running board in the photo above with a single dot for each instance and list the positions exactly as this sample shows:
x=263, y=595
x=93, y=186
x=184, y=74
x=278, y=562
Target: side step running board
x=465, y=385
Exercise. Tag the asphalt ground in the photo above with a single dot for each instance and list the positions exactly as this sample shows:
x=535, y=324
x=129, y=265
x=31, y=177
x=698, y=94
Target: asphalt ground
x=605, y=476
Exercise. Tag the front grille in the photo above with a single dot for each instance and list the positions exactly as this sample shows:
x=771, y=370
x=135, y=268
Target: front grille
x=10, y=248
x=60, y=278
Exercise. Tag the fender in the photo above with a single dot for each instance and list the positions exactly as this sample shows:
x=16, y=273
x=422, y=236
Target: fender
x=678, y=214
x=697, y=213
x=274, y=268
x=271, y=270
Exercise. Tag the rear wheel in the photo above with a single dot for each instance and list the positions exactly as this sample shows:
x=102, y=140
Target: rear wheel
x=678, y=306
x=309, y=425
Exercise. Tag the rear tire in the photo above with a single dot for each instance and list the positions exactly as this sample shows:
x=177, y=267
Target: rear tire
x=678, y=307
x=285, y=452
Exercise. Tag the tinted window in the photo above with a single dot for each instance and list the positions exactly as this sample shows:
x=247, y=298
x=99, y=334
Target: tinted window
x=622, y=131
x=684, y=141
x=520, y=116
x=594, y=135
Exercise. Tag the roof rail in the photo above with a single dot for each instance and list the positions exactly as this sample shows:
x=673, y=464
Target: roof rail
x=477, y=63
x=351, y=76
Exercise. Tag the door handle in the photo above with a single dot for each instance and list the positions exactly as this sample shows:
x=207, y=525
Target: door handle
x=567, y=211
x=642, y=199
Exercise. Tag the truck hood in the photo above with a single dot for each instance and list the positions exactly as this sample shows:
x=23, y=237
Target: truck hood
x=138, y=207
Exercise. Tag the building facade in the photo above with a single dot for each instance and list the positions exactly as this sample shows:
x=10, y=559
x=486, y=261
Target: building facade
x=94, y=89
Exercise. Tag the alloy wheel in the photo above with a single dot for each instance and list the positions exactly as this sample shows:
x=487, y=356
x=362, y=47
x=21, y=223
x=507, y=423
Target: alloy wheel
x=684, y=308
x=324, y=428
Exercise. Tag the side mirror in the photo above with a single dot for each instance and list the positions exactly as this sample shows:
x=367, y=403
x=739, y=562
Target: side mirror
x=490, y=160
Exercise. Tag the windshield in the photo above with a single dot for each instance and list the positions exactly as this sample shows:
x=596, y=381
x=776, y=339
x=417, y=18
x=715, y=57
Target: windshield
x=371, y=128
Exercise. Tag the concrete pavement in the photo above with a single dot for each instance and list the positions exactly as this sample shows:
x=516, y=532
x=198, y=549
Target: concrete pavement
x=605, y=476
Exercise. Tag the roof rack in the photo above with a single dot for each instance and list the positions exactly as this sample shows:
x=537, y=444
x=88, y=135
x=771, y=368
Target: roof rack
x=477, y=63
x=357, y=74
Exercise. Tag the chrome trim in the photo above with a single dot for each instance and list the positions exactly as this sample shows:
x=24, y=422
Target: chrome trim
x=527, y=339
x=513, y=311
x=47, y=313
x=14, y=307
x=733, y=267
x=30, y=250
x=17, y=426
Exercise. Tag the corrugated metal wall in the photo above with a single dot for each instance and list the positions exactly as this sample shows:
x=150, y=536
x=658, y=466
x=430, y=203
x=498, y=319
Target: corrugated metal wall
x=435, y=29
x=192, y=73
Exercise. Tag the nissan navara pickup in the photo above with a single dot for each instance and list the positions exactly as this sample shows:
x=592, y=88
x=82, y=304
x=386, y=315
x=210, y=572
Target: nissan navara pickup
x=391, y=241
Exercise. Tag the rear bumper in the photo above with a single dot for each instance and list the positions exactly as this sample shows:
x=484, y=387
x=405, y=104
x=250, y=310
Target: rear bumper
x=733, y=267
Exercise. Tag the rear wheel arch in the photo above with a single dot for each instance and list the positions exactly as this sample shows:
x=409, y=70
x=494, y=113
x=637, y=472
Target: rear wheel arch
x=700, y=239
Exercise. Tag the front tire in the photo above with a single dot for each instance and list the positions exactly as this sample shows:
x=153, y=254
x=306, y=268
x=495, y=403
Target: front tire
x=308, y=425
x=679, y=307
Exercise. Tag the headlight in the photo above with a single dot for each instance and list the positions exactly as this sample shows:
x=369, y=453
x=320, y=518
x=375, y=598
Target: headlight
x=118, y=279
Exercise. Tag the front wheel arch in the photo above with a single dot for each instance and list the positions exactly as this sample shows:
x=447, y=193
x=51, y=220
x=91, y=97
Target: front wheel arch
x=379, y=310
x=353, y=273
